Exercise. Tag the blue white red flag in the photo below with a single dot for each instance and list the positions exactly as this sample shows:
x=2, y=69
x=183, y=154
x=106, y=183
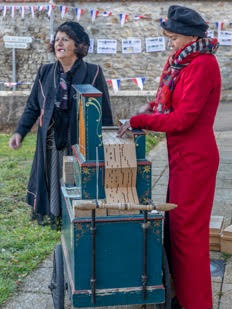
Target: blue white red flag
x=63, y=10
x=219, y=25
x=22, y=8
x=41, y=8
x=32, y=11
x=5, y=8
x=50, y=8
x=139, y=81
x=123, y=19
x=13, y=11
x=93, y=14
x=114, y=83
x=79, y=12
x=137, y=17
x=106, y=14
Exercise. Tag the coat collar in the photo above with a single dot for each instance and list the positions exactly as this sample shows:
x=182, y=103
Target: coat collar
x=79, y=75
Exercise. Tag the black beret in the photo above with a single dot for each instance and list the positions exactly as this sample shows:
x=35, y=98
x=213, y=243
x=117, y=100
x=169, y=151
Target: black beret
x=80, y=35
x=185, y=21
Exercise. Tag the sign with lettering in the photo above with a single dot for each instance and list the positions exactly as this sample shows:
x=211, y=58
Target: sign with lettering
x=225, y=37
x=105, y=46
x=131, y=45
x=155, y=44
x=17, y=39
x=16, y=45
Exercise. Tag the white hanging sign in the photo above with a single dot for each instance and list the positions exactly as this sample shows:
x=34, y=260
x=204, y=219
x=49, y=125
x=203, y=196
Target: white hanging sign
x=155, y=44
x=131, y=45
x=106, y=46
x=225, y=37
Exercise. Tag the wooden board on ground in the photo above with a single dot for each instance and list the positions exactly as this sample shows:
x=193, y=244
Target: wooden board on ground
x=216, y=225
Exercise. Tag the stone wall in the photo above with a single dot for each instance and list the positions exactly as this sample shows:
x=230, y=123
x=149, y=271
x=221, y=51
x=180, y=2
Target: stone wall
x=124, y=104
x=120, y=65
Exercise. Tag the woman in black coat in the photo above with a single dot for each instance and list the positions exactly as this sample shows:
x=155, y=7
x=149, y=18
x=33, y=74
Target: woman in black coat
x=52, y=100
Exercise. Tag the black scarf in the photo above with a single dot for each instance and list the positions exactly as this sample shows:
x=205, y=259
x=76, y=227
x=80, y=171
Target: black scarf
x=63, y=104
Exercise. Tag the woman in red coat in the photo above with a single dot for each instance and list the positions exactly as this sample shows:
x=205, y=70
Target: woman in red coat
x=185, y=108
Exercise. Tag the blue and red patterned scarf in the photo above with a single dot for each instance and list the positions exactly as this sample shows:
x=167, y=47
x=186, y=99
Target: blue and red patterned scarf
x=172, y=68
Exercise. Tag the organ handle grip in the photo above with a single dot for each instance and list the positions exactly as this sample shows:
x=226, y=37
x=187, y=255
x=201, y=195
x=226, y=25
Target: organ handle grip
x=91, y=204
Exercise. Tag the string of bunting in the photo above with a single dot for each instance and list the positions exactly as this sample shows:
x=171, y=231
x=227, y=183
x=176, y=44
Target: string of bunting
x=11, y=84
x=79, y=12
x=114, y=83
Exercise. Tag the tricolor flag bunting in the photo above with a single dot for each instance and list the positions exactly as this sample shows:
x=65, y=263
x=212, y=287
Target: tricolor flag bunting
x=79, y=12
x=5, y=8
x=63, y=10
x=106, y=14
x=22, y=11
x=114, y=83
x=139, y=81
x=32, y=11
x=123, y=19
x=50, y=8
x=93, y=14
x=13, y=11
x=137, y=17
x=219, y=25
x=41, y=8
x=9, y=84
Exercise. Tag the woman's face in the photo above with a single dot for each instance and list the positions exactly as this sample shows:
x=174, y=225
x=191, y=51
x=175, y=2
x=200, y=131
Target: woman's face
x=64, y=47
x=177, y=41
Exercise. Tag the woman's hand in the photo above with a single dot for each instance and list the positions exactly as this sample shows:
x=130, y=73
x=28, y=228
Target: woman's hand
x=15, y=141
x=123, y=128
x=144, y=109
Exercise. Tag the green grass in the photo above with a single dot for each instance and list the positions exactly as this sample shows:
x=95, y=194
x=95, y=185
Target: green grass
x=23, y=243
x=152, y=139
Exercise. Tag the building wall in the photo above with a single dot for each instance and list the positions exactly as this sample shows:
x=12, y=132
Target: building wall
x=120, y=66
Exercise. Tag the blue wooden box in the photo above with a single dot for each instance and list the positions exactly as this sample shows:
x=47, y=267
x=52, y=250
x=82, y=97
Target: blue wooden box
x=119, y=258
x=89, y=115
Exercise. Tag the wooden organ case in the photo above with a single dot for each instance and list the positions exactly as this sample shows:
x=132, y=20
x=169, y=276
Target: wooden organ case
x=112, y=245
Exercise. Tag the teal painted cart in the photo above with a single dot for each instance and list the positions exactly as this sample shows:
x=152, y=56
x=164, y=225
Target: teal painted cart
x=107, y=259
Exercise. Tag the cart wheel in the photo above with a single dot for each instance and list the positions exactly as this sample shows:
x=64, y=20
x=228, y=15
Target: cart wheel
x=57, y=282
x=166, y=283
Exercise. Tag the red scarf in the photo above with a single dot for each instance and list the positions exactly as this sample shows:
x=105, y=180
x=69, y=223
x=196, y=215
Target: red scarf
x=174, y=65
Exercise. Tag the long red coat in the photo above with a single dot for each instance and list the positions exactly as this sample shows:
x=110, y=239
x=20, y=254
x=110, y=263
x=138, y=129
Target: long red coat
x=193, y=163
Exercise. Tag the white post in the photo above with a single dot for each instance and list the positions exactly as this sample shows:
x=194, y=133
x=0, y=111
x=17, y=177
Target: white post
x=14, y=69
x=51, y=32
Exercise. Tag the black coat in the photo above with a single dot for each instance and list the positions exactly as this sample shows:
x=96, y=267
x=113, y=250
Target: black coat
x=40, y=104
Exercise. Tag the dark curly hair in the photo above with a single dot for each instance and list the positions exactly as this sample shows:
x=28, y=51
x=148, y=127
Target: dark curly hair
x=77, y=33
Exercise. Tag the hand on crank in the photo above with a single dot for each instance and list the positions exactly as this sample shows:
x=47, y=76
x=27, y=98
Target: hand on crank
x=123, y=129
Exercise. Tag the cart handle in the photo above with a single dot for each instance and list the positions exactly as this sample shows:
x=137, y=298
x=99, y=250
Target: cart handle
x=91, y=204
